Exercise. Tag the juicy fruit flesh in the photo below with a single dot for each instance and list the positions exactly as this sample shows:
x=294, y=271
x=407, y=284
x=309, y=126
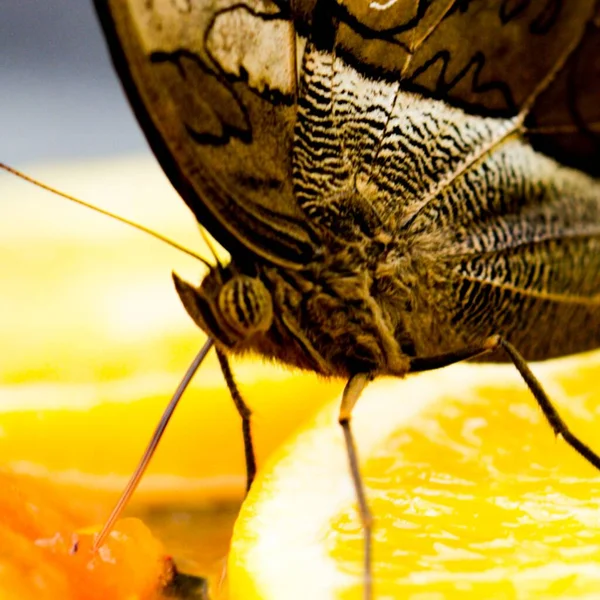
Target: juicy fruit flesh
x=472, y=494
x=38, y=528
x=480, y=499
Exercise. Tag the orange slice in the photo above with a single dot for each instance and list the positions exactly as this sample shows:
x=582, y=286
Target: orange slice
x=93, y=435
x=473, y=496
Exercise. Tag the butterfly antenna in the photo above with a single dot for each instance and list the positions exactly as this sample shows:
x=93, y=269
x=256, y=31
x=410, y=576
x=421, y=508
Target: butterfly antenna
x=213, y=251
x=107, y=213
x=151, y=448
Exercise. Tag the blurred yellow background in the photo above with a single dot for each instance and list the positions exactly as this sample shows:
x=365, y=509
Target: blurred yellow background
x=95, y=340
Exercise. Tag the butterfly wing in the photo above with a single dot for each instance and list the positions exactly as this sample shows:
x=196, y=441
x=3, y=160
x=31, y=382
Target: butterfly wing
x=430, y=149
x=213, y=84
x=489, y=57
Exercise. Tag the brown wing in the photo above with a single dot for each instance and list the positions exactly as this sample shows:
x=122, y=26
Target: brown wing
x=514, y=235
x=523, y=253
x=212, y=83
x=487, y=56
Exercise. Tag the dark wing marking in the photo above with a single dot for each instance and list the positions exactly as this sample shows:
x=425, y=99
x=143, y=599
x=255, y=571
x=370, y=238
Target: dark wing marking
x=568, y=112
x=486, y=56
x=213, y=86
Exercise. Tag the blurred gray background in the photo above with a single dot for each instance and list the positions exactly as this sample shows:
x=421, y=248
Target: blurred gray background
x=59, y=96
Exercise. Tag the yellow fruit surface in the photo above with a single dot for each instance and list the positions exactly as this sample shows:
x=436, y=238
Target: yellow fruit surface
x=473, y=496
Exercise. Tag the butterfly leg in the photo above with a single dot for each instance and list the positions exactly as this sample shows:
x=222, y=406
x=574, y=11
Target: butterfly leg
x=555, y=421
x=497, y=342
x=356, y=384
x=245, y=413
x=352, y=392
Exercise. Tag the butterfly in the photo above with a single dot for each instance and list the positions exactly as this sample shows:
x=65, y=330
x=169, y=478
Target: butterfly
x=401, y=185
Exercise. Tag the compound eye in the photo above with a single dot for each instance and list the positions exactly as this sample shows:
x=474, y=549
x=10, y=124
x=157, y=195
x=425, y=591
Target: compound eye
x=246, y=305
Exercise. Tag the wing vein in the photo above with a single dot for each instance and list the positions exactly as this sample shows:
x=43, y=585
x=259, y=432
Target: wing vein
x=589, y=232
x=552, y=297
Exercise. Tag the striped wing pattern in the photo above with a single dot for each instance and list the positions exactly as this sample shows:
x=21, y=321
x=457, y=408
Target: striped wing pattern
x=515, y=236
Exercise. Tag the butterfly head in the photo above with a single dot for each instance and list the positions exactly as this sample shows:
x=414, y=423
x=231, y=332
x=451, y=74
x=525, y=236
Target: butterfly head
x=230, y=306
